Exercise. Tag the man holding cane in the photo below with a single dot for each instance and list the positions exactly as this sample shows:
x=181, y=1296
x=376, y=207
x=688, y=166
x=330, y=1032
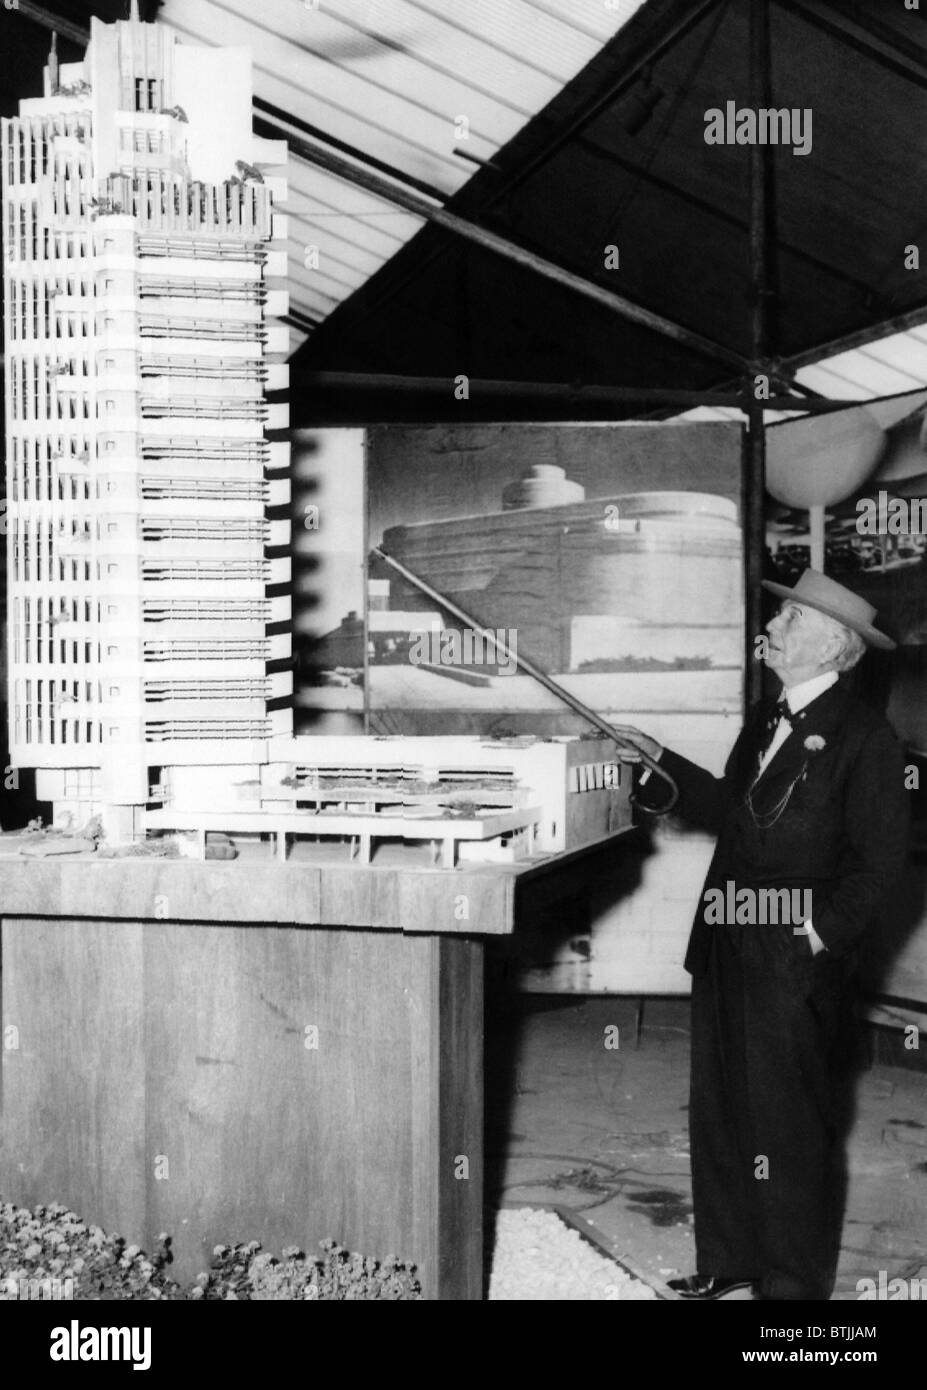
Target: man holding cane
x=813, y=799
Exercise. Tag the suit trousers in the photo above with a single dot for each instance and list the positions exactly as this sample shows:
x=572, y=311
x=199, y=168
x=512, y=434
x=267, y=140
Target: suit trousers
x=767, y=1106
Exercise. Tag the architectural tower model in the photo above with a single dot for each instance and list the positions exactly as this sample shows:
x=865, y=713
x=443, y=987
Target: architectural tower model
x=149, y=616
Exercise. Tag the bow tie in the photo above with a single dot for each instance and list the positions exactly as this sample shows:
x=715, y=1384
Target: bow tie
x=781, y=710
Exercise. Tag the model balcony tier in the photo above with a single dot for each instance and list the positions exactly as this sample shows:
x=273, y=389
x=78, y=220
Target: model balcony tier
x=212, y=448
x=249, y=289
x=198, y=248
x=204, y=490
x=218, y=649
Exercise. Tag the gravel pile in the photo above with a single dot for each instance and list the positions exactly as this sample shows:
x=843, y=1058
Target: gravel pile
x=538, y=1257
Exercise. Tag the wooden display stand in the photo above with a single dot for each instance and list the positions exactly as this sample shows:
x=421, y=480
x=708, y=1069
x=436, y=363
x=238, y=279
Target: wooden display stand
x=237, y=1051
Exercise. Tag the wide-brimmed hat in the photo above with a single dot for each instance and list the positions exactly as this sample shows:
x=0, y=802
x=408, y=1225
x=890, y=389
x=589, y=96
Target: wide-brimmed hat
x=815, y=590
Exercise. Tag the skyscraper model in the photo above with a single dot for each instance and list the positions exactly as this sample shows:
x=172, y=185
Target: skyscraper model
x=144, y=264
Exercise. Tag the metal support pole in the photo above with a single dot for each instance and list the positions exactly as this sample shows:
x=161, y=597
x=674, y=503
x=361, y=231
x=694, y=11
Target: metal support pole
x=77, y=33
x=561, y=393
x=762, y=280
x=754, y=519
x=811, y=357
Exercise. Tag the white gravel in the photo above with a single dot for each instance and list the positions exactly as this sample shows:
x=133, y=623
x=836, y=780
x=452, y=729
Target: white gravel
x=537, y=1257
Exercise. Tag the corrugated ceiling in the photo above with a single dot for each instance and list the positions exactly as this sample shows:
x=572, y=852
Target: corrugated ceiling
x=391, y=78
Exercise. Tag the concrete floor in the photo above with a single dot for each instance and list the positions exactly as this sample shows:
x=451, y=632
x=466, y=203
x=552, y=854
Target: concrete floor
x=603, y=1132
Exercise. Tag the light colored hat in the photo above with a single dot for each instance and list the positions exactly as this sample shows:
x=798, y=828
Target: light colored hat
x=815, y=590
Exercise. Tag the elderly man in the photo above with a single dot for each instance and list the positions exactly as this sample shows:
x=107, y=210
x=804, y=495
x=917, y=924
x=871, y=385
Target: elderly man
x=812, y=801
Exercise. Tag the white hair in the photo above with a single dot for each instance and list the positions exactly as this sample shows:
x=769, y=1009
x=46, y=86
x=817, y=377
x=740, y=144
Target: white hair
x=852, y=647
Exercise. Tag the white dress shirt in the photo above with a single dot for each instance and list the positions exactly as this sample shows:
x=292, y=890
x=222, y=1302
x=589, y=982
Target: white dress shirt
x=796, y=697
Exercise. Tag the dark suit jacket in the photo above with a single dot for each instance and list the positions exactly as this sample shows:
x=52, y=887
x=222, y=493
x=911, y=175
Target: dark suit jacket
x=843, y=832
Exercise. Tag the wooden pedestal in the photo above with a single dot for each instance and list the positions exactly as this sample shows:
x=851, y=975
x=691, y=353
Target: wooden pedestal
x=229, y=1082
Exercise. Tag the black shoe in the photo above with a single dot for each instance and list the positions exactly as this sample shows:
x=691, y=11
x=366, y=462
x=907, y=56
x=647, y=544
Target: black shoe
x=707, y=1286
